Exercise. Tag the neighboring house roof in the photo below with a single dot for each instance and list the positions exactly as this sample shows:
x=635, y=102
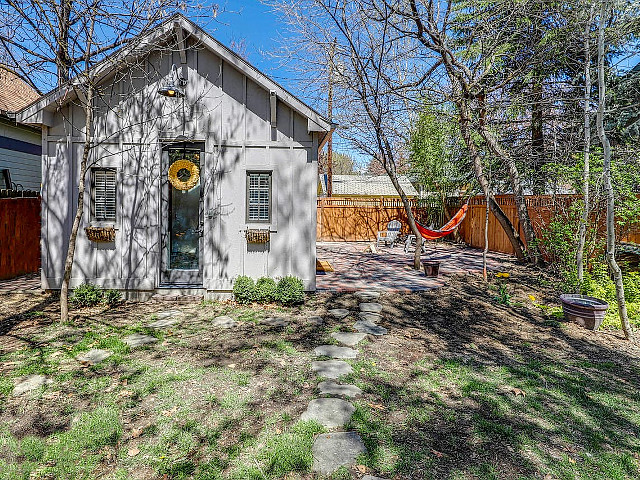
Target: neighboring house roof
x=367, y=185
x=15, y=93
x=176, y=26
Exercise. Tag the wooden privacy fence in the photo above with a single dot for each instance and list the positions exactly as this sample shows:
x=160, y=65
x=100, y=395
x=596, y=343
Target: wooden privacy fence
x=19, y=236
x=359, y=219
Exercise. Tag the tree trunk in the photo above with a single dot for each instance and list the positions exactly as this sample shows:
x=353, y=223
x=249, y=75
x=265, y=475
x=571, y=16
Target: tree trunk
x=533, y=251
x=68, y=263
x=537, y=134
x=611, y=233
x=582, y=233
x=485, y=276
x=464, y=120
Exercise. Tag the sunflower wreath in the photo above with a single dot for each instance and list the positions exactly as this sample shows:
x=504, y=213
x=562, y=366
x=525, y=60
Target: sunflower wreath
x=189, y=183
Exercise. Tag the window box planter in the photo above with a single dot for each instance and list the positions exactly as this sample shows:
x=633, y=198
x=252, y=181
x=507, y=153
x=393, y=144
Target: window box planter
x=583, y=310
x=258, y=236
x=101, y=234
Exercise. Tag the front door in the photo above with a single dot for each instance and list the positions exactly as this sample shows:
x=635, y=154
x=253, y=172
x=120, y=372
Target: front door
x=182, y=219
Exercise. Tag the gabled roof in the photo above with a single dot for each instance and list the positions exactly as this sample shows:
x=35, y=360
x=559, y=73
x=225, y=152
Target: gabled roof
x=367, y=185
x=176, y=25
x=15, y=93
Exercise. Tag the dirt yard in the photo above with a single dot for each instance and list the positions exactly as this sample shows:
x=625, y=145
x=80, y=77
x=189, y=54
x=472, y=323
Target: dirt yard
x=472, y=381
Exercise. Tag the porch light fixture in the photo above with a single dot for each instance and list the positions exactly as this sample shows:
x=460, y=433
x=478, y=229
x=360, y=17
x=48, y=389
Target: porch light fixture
x=174, y=88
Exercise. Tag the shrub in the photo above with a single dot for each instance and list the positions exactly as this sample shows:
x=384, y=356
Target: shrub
x=111, y=297
x=631, y=283
x=244, y=289
x=86, y=295
x=266, y=290
x=290, y=291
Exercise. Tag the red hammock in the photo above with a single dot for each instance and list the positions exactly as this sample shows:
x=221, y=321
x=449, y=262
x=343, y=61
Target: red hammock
x=447, y=228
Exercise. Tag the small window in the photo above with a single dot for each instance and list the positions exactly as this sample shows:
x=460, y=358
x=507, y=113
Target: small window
x=258, y=197
x=104, y=195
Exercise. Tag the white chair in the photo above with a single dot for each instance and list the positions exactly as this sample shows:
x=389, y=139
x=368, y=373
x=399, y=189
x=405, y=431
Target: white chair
x=390, y=235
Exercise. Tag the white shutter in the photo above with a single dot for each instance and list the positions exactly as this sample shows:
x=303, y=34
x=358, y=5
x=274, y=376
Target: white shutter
x=104, y=195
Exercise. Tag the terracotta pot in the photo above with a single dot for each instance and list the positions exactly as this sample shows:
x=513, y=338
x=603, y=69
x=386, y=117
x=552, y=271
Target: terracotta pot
x=431, y=268
x=586, y=311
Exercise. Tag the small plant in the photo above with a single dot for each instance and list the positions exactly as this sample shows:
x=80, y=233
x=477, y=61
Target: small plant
x=266, y=290
x=290, y=290
x=244, y=289
x=111, y=297
x=503, y=297
x=86, y=295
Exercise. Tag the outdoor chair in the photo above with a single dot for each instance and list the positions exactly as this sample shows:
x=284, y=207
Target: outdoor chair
x=390, y=235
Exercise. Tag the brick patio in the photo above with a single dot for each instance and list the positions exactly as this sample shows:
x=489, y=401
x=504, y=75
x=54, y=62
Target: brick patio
x=391, y=269
x=23, y=284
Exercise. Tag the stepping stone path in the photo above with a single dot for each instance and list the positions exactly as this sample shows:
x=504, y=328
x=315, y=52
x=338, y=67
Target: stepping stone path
x=275, y=322
x=335, y=352
x=316, y=320
x=368, y=295
x=29, y=383
x=370, y=307
x=164, y=322
x=349, y=339
x=333, y=388
x=365, y=326
x=329, y=412
x=339, y=313
x=224, y=321
x=371, y=477
x=94, y=356
x=334, y=450
x=331, y=368
x=138, y=340
x=168, y=314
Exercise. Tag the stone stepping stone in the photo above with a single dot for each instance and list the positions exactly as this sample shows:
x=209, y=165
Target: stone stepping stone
x=371, y=328
x=370, y=307
x=334, y=450
x=224, y=321
x=368, y=295
x=331, y=368
x=168, y=314
x=335, y=351
x=370, y=317
x=315, y=320
x=339, y=313
x=164, y=322
x=29, y=383
x=371, y=477
x=138, y=340
x=333, y=388
x=275, y=322
x=349, y=339
x=329, y=412
x=94, y=356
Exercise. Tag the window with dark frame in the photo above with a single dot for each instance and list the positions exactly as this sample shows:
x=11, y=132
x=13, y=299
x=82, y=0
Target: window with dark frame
x=103, y=194
x=258, y=196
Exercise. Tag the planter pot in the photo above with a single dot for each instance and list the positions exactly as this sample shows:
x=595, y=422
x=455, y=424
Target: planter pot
x=586, y=311
x=431, y=268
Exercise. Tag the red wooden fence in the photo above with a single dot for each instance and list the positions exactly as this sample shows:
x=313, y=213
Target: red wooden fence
x=19, y=236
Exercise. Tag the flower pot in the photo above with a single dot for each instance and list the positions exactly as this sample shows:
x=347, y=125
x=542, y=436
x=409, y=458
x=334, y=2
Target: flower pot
x=583, y=310
x=431, y=268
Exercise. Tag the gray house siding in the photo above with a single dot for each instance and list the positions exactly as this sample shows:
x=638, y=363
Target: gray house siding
x=230, y=113
x=20, y=152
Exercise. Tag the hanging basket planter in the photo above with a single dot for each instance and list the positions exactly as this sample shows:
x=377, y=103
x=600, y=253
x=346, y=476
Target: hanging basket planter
x=101, y=234
x=257, y=236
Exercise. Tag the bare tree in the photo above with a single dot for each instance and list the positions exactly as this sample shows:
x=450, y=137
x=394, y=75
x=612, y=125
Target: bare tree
x=605, y=14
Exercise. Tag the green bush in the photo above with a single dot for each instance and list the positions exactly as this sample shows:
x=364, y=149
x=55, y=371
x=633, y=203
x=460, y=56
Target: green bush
x=86, y=295
x=631, y=282
x=290, y=290
x=266, y=290
x=244, y=289
x=111, y=297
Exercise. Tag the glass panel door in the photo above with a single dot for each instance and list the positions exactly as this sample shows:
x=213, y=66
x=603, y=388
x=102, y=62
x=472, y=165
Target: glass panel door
x=182, y=211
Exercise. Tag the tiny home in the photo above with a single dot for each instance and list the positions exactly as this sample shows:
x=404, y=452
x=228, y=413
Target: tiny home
x=201, y=169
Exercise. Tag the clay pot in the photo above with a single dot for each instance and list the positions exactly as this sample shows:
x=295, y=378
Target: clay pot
x=431, y=268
